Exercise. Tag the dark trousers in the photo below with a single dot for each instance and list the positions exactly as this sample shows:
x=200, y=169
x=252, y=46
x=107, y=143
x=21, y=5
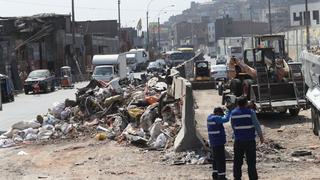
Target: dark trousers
x=247, y=148
x=219, y=163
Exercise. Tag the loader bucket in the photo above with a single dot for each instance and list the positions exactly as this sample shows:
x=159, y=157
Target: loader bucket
x=276, y=92
x=203, y=85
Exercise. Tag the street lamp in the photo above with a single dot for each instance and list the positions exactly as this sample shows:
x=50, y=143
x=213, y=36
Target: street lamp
x=159, y=23
x=148, y=23
x=119, y=27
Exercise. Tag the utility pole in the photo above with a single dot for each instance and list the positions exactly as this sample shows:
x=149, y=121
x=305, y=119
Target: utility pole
x=74, y=42
x=119, y=26
x=251, y=27
x=159, y=47
x=270, y=20
x=147, y=30
x=148, y=6
x=307, y=23
x=73, y=29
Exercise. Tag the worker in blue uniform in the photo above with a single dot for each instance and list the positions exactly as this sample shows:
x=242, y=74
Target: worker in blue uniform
x=217, y=139
x=245, y=124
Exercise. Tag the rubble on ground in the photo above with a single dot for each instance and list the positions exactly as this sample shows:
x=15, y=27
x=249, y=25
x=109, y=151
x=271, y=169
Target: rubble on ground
x=136, y=112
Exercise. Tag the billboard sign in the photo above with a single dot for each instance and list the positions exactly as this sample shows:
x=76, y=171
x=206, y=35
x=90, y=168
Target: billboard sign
x=298, y=14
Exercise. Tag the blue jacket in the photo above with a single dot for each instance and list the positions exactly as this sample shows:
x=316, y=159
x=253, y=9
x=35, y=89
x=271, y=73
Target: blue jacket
x=243, y=125
x=216, y=132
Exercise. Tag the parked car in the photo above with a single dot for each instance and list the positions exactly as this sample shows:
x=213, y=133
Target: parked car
x=219, y=72
x=6, y=87
x=39, y=81
x=155, y=67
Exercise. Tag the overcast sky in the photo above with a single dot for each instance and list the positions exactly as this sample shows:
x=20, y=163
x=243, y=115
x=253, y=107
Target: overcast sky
x=132, y=10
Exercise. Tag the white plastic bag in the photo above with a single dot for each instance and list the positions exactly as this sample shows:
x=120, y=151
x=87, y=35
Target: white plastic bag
x=57, y=108
x=161, y=141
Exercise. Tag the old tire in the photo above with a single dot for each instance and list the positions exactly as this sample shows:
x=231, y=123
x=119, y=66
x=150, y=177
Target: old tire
x=315, y=121
x=294, y=112
x=26, y=92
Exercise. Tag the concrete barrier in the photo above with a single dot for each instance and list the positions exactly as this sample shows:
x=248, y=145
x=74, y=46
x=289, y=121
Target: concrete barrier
x=188, y=137
x=0, y=99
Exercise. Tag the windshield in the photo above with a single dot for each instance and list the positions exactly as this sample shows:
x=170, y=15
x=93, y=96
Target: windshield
x=219, y=68
x=103, y=71
x=202, y=65
x=176, y=56
x=188, y=55
x=38, y=74
x=236, y=50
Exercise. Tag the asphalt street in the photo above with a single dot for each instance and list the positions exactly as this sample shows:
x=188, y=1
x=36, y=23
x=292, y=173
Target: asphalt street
x=27, y=107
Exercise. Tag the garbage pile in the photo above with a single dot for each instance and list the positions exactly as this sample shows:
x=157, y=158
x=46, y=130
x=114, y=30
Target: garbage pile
x=138, y=112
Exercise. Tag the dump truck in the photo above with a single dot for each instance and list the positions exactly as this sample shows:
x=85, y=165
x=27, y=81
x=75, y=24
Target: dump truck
x=311, y=71
x=267, y=80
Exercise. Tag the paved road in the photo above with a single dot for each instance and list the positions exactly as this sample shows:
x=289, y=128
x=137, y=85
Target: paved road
x=27, y=107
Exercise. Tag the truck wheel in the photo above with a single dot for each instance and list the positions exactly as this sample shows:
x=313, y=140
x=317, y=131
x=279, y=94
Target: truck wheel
x=26, y=92
x=315, y=121
x=294, y=112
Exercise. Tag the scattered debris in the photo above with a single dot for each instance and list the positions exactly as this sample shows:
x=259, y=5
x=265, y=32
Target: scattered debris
x=22, y=153
x=301, y=153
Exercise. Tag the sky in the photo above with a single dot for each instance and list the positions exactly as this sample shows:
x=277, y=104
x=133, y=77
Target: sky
x=131, y=10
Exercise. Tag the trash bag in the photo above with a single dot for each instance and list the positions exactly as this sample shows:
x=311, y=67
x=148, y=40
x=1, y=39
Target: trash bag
x=56, y=109
x=65, y=114
x=31, y=137
x=152, y=82
x=155, y=130
x=161, y=86
x=4, y=143
x=148, y=117
x=160, y=142
x=135, y=113
x=25, y=125
x=116, y=86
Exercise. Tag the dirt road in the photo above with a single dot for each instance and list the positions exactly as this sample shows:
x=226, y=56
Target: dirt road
x=85, y=158
x=285, y=135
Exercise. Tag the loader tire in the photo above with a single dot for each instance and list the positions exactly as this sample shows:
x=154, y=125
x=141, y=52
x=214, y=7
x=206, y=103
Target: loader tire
x=294, y=112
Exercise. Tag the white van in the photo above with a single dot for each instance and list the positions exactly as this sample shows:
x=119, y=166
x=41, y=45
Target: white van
x=108, y=67
x=142, y=57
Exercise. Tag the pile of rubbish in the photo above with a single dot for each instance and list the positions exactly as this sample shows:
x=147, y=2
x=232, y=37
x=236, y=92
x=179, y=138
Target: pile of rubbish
x=138, y=112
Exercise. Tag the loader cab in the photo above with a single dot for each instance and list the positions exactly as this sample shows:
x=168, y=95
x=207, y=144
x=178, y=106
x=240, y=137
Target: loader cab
x=202, y=70
x=260, y=57
x=276, y=42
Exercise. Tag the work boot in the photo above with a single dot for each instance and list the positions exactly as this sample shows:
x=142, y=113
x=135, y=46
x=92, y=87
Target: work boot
x=215, y=176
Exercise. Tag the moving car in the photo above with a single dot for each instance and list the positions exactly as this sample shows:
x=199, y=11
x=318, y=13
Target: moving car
x=219, y=72
x=7, y=94
x=39, y=81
